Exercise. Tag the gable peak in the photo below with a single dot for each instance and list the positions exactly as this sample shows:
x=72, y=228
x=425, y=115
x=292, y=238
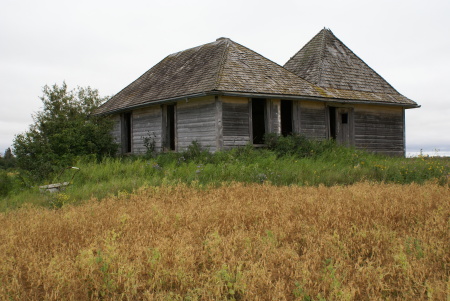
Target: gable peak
x=327, y=62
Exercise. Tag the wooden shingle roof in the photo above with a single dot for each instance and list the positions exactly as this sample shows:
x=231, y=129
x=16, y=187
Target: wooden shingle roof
x=326, y=62
x=324, y=70
x=220, y=66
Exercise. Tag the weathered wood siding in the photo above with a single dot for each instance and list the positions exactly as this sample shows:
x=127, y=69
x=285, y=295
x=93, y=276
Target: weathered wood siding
x=380, y=129
x=196, y=121
x=115, y=132
x=274, y=114
x=310, y=119
x=236, y=121
x=146, y=122
x=296, y=116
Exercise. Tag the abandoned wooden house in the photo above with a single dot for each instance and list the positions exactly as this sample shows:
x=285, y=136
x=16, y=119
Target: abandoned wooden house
x=224, y=95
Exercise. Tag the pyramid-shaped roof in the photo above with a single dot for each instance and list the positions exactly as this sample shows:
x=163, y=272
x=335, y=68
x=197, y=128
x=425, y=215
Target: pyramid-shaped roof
x=326, y=62
x=220, y=66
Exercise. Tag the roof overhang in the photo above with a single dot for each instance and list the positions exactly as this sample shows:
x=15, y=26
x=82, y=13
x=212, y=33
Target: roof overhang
x=327, y=100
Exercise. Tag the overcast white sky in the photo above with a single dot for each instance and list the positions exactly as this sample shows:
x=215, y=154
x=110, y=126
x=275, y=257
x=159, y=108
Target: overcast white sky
x=108, y=44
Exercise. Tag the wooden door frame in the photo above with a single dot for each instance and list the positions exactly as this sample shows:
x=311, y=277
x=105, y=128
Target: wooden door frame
x=339, y=110
x=165, y=133
x=126, y=132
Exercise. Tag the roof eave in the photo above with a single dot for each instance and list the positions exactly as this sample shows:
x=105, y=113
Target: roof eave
x=153, y=102
x=314, y=98
x=258, y=95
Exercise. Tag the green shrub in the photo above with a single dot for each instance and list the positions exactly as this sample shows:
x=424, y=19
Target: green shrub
x=297, y=145
x=150, y=144
x=196, y=153
x=64, y=129
x=5, y=183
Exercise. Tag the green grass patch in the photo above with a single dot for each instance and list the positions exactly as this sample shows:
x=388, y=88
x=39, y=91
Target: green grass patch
x=286, y=161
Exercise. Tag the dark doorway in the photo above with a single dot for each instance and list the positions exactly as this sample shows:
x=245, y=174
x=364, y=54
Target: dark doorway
x=344, y=118
x=171, y=127
x=126, y=133
x=341, y=125
x=344, y=132
x=332, y=115
x=286, y=117
x=258, y=120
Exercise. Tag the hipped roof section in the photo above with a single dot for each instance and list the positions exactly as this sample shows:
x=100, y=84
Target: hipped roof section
x=326, y=62
x=324, y=70
x=221, y=66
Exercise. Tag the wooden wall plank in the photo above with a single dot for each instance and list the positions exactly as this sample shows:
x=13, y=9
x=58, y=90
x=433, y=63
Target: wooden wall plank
x=312, y=120
x=235, y=114
x=196, y=121
x=275, y=116
x=147, y=122
x=116, y=131
x=380, y=131
x=219, y=123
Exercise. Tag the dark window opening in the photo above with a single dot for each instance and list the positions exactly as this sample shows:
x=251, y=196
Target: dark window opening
x=286, y=117
x=258, y=120
x=171, y=127
x=344, y=118
x=127, y=133
x=332, y=114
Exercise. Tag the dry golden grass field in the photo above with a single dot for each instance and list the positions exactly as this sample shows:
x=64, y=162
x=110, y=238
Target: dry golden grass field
x=236, y=242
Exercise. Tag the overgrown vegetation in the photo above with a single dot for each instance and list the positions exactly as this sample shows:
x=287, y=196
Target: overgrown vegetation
x=287, y=162
x=242, y=224
x=63, y=130
x=235, y=242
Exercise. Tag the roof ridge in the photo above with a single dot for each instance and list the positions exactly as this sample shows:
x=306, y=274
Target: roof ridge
x=190, y=48
x=347, y=89
x=367, y=65
x=303, y=79
x=222, y=62
x=273, y=62
x=245, y=70
x=322, y=55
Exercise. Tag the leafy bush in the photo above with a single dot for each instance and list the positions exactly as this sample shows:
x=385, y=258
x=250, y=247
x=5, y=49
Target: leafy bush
x=196, y=153
x=62, y=131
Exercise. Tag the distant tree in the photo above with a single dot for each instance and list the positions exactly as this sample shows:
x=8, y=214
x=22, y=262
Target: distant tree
x=8, y=154
x=63, y=131
x=8, y=160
